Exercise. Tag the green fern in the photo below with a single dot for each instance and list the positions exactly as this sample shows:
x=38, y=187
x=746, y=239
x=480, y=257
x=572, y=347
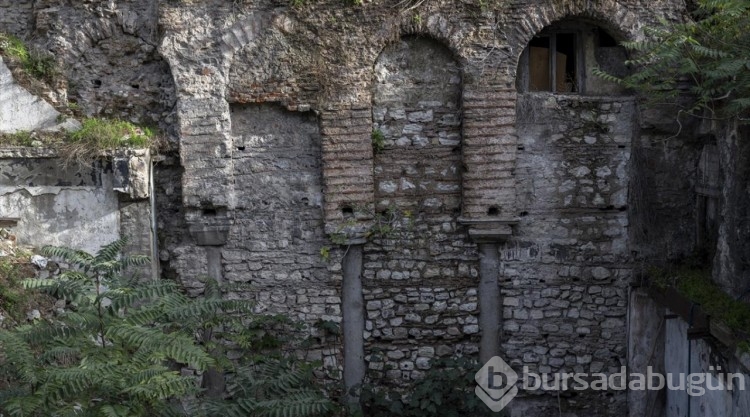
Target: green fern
x=270, y=387
x=116, y=349
x=707, y=57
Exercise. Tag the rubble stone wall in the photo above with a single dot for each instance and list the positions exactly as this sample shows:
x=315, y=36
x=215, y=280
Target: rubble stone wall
x=274, y=109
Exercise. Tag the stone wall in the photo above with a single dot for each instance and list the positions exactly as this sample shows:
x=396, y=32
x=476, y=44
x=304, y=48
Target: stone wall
x=566, y=270
x=52, y=202
x=17, y=17
x=275, y=109
x=732, y=257
x=108, y=54
x=563, y=176
x=419, y=274
x=274, y=244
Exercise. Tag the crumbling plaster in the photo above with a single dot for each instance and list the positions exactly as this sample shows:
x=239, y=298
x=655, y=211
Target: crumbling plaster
x=263, y=92
x=321, y=57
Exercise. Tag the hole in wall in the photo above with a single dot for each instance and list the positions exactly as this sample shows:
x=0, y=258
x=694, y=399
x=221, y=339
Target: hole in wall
x=347, y=211
x=97, y=83
x=523, y=214
x=135, y=86
x=493, y=211
x=209, y=212
x=240, y=148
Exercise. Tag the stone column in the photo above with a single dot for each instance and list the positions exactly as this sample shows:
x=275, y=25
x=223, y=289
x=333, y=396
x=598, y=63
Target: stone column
x=353, y=325
x=210, y=229
x=489, y=301
x=489, y=233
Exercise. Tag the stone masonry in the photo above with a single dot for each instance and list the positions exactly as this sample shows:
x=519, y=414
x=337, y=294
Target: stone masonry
x=304, y=137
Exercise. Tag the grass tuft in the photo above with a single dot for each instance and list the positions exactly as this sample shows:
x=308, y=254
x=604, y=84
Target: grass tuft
x=32, y=61
x=101, y=134
x=20, y=138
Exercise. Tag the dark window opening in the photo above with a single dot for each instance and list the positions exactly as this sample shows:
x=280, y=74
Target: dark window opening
x=558, y=74
x=563, y=57
x=566, y=73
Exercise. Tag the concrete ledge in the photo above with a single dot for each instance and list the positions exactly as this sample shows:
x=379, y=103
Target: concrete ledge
x=489, y=230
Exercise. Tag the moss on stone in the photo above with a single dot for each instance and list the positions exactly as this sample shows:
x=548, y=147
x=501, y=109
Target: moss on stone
x=696, y=285
x=32, y=61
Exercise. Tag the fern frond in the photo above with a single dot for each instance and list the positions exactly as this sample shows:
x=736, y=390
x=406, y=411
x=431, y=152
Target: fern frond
x=17, y=353
x=73, y=256
x=295, y=404
x=135, y=260
x=179, y=348
x=110, y=251
x=163, y=386
x=60, y=355
x=128, y=297
x=22, y=406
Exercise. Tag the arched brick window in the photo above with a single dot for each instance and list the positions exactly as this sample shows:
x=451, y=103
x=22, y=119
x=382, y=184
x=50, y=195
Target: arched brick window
x=561, y=59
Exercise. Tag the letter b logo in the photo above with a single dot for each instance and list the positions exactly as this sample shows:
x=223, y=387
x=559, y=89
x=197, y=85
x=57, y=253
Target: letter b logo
x=496, y=384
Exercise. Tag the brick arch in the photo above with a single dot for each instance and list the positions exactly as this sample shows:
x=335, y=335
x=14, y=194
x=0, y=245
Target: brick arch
x=416, y=108
x=437, y=27
x=434, y=26
x=617, y=20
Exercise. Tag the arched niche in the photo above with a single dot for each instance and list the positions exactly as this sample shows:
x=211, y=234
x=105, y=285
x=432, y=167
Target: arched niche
x=417, y=126
x=562, y=57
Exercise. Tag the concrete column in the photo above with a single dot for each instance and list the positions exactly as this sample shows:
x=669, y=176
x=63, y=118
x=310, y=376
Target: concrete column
x=353, y=326
x=213, y=378
x=489, y=301
x=213, y=259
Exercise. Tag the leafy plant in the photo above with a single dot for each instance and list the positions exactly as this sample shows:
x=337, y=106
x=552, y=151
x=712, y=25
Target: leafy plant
x=696, y=285
x=34, y=62
x=97, y=135
x=110, y=134
x=110, y=353
x=119, y=346
x=378, y=141
x=446, y=390
x=707, y=57
x=14, y=299
x=270, y=387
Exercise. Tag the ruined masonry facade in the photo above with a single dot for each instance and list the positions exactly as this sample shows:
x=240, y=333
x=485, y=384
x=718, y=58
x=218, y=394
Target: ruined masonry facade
x=306, y=133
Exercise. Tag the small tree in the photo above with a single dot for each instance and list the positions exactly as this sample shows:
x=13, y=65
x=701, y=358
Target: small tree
x=707, y=57
x=118, y=347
